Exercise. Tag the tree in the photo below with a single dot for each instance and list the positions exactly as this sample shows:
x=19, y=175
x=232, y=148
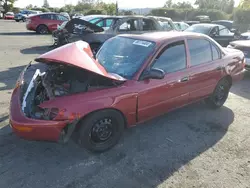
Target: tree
x=183, y=5
x=30, y=6
x=223, y=5
x=168, y=4
x=45, y=4
x=244, y=4
x=7, y=5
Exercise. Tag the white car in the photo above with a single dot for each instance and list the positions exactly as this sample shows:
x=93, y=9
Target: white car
x=244, y=46
x=181, y=25
x=65, y=14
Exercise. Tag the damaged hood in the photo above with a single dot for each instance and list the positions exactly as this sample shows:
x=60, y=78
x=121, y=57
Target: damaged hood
x=77, y=54
x=69, y=26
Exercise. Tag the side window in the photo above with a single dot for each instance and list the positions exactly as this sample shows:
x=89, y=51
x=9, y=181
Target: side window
x=130, y=25
x=215, y=30
x=100, y=23
x=148, y=25
x=200, y=51
x=46, y=16
x=215, y=52
x=61, y=18
x=94, y=20
x=109, y=22
x=224, y=31
x=172, y=58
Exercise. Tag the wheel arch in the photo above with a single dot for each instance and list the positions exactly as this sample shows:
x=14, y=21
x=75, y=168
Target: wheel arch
x=228, y=78
x=81, y=119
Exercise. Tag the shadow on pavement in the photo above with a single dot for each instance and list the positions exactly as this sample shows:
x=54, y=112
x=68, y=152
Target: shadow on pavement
x=242, y=88
x=19, y=33
x=36, y=50
x=9, y=77
x=146, y=156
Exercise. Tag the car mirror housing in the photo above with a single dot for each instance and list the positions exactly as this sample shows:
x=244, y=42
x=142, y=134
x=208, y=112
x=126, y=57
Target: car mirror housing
x=153, y=73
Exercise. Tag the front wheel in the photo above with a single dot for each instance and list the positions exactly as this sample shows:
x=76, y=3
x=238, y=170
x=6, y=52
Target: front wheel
x=220, y=94
x=101, y=130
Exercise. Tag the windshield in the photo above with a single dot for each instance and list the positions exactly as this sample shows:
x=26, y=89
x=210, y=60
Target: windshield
x=124, y=56
x=199, y=29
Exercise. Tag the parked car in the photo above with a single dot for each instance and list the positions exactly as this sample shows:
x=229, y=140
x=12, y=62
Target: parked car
x=65, y=14
x=218, y=32
x=192, y=22
x=133, y=78
x=227, y=23
x=203, y=19
x=78, y=29
x=245, y=36
x=244, y=46
x=45, y=23
x=181, y=26
x=23, y=14
x=166, y=23
x=77, y=15
x=9, y=16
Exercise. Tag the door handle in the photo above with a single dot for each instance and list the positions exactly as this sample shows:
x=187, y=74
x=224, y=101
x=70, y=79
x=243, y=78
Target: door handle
x=184, y=79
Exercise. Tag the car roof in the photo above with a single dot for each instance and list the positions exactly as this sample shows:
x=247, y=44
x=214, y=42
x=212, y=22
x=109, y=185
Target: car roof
x=207, y=24
x=159, y=37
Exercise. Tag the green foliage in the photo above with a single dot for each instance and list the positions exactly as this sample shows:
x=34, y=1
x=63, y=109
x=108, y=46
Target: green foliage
x=242, y=15
x=244, y=4
x=95, y=11
x=222, y=5
x=8, y=5
x=188, y=14
x=126, y=12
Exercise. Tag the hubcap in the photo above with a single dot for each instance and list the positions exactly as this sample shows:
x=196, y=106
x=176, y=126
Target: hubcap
x=43, y=30
x=102, y=130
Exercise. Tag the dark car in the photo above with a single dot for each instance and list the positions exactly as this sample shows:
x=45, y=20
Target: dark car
x=192, y=22
x=227, y=23
x=95, y=35
x=45, y=23
x=219, y=33
x=244, y=46
x=134, y=78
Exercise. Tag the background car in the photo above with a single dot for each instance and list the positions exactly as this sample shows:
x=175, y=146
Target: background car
x=227, y=23
x=65, y=14
x=95, y=35
x=23, y=14
x=181, y=26
x=45, y=23
x=218, y=32
x=166, y=23
x=192, y=22
x=9, y=16
x=147, y=76
x=244, y=46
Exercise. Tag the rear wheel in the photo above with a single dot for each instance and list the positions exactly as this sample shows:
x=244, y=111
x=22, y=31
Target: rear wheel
x=220, y=94
x=101, y=130
x=42, y=29
x=17, y=20
x=24, y=19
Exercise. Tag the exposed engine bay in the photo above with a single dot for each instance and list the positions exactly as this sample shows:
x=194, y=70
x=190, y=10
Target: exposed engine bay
x=46, y=81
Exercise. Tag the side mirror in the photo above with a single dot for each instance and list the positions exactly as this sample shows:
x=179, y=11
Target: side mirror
x=153, y=74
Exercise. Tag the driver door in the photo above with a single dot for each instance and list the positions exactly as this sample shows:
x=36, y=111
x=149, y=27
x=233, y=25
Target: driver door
x=159, y=96
x=224, y=36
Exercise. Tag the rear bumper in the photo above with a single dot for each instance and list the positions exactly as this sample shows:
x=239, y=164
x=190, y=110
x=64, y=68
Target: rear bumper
x=32, y=129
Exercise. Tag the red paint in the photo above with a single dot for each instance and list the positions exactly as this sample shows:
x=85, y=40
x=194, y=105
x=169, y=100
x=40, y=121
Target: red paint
x=34, y=21
x=9, y=17
x=136, y=100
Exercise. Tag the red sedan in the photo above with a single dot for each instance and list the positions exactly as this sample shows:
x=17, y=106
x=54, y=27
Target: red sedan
x=45, y=23
x=9, y=16
x=132, y=79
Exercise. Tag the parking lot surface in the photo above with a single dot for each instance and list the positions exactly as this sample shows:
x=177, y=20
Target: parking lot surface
x=190, y=147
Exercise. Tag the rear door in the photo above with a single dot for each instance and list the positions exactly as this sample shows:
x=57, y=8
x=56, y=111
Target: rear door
x=160, y=96
x=205, y=67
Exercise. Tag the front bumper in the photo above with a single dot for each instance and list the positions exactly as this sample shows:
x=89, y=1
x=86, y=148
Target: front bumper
x=32, y=129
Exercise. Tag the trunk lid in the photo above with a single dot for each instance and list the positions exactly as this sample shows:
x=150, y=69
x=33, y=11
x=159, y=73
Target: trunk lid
x=77, y=54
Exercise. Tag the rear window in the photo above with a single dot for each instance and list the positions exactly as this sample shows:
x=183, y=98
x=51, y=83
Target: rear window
x=148, y=25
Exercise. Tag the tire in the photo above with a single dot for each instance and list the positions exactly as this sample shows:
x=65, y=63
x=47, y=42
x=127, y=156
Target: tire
x=17, y=20
x=101, y=130
x=24, y=19
x=220, y=94
x=42, y=29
